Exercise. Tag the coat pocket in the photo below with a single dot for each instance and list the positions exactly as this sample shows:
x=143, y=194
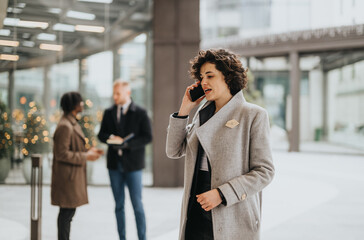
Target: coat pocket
x=254, y=212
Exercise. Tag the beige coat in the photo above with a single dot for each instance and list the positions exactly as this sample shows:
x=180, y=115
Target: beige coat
x=69, y=186
x=241, y=164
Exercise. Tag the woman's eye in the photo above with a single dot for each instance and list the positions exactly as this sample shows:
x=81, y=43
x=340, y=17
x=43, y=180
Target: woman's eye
x=209, y=76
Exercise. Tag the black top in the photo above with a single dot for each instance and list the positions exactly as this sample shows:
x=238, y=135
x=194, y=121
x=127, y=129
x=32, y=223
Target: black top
x=205, y=114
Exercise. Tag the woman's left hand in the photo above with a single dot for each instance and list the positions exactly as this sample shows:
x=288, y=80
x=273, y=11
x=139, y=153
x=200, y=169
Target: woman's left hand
x=209, y=200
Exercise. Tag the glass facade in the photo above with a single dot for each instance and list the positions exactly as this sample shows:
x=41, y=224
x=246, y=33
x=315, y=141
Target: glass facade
x=324, y=94
x=93, y=76
x=346, y=114
x=246, y=18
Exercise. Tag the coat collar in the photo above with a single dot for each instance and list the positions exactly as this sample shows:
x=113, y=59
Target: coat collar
x=235, y=101
x=132, y=108
x=209, y=129
x=77, y=128
x=72, y=119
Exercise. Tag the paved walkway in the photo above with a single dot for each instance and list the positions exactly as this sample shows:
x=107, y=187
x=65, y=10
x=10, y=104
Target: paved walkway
x=316, y=195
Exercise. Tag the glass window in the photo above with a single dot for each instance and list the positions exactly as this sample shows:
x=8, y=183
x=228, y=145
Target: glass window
x=63, y=77
x=132, y=61
x=97, y=79
x=29, y=87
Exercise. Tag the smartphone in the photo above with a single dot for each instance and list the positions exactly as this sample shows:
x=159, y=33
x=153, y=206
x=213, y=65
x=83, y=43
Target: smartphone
x=196, y=93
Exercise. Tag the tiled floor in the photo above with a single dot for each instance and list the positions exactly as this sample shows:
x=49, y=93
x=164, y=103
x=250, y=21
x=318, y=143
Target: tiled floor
x=316, y=195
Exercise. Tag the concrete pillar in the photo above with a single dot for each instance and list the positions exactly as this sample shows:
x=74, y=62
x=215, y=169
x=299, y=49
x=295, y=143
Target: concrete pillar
x=11, y=90
x=176, y=40
x=295, y=80
x=46, y=91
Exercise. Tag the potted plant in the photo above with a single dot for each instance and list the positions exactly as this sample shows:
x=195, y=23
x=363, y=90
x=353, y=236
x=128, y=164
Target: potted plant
x=6, y=142
x=36, y=139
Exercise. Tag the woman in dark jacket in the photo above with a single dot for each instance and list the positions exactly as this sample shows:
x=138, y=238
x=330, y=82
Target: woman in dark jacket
x=69, y=186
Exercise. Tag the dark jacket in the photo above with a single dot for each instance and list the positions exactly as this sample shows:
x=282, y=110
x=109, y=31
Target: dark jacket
x=69, y=185
x=137, y=122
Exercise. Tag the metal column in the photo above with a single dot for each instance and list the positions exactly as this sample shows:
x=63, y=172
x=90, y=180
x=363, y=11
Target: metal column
x=325, y=124
x=47, y=91
x=11, y=92
x=116, y=64
x=36, y=198
x=82, y=72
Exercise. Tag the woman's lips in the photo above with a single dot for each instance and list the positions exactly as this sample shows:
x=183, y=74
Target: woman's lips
x=207, y=91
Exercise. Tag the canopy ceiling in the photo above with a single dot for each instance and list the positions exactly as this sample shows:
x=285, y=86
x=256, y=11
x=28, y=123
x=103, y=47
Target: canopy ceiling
x=120, y=21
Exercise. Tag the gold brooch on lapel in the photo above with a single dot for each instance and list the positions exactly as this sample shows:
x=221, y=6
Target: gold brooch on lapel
x=232, y=123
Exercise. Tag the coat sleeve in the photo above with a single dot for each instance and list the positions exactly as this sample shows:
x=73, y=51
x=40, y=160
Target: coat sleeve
x=62, y=147
x=144, y=136
x=176, y=137
x=105, y=131
x=260, y=161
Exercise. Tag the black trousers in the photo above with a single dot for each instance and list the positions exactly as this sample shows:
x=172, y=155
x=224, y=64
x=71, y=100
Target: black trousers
x=64, y=222
x=199, y=222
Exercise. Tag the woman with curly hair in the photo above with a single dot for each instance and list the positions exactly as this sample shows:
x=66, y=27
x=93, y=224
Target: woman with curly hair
x=228, y=159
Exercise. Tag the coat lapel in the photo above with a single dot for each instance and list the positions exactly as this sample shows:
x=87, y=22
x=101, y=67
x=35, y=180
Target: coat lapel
x=79, y=131
x=76, y=126
x=210, y=129
x=114, y=117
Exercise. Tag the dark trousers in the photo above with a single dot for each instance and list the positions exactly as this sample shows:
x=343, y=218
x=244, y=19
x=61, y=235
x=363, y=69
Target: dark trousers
x=199, y=222
x=64, y=222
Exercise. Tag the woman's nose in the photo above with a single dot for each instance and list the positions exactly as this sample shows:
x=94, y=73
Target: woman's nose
x=203, y=81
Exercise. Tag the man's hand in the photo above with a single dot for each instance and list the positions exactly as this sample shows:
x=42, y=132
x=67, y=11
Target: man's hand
x=92, y=154
x=209, y=200
x=113, y=137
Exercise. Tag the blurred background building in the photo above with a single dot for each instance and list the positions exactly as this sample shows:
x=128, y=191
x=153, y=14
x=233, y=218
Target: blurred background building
x=306, y=61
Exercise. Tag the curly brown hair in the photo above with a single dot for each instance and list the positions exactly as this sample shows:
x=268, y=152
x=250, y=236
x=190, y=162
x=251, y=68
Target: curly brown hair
x=226, y=62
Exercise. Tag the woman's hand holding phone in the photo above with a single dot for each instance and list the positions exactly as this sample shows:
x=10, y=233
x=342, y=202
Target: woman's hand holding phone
x=187, y=103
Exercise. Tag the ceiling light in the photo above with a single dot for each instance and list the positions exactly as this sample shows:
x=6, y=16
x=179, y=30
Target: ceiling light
x=96, y=1
x=85, y=28
x=4, y=32
x=9, y=57
x=63, y=27
x=46, y=36
x=51, y=47
x=26, y=35
x=16, y=22
x=9, y=43
x=32, y=24
x=9, y=50
x=140, y=16
x=21, y=5
x=11, y=21
x=14, y=10
x=55, y=10
x=80, y=15
x=28, y=44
